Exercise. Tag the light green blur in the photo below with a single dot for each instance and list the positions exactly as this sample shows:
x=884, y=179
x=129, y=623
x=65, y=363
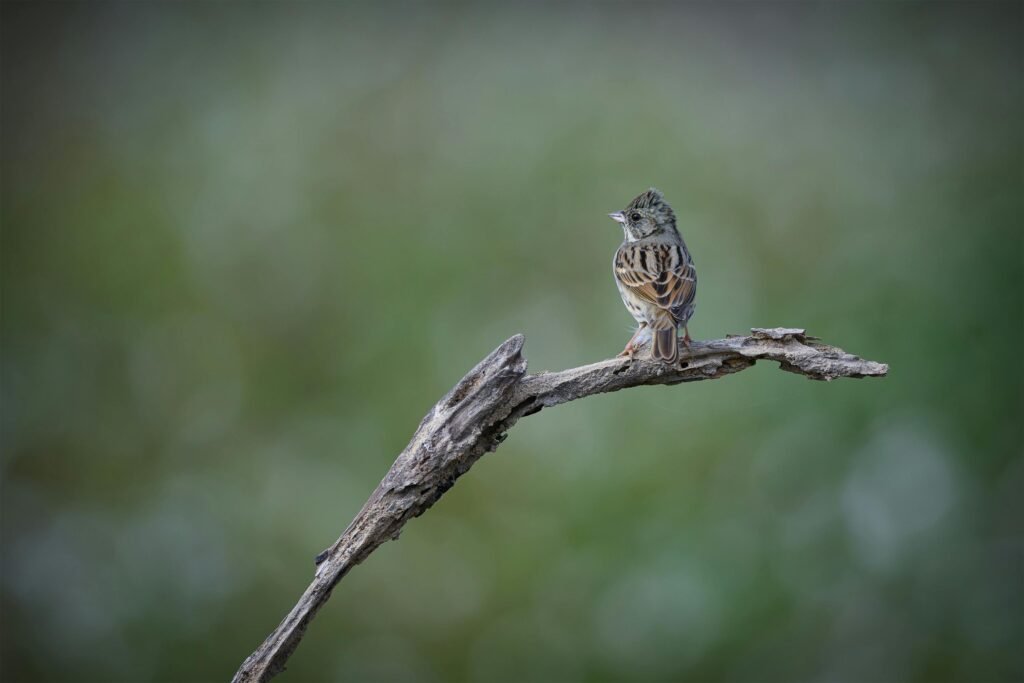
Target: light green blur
x=246, y=247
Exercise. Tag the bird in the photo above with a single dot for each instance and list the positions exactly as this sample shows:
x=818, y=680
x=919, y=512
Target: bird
x=655, y=275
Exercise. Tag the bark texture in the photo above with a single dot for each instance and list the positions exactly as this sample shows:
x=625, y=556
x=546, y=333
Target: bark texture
x=474, y=417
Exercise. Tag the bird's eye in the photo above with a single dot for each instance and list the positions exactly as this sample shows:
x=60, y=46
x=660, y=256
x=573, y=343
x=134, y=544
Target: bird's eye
x=635, y=216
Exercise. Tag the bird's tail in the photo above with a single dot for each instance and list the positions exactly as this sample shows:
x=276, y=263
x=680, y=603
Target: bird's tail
x=666, y=345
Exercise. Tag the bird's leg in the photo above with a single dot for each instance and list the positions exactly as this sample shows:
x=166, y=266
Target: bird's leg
x=630, y=348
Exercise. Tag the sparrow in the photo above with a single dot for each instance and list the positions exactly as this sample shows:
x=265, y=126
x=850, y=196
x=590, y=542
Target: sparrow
x=655, y=275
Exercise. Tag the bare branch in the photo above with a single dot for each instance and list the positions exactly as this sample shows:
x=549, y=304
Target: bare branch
x=473, y=418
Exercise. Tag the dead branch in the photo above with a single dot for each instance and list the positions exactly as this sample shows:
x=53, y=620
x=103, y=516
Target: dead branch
x=473, y=418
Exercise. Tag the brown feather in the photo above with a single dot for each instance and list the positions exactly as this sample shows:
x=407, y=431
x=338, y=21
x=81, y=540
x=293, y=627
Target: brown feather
x=666, y=345
x=668, y=281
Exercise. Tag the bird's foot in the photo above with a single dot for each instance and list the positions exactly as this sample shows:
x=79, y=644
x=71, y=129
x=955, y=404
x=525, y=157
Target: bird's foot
x=632, y=345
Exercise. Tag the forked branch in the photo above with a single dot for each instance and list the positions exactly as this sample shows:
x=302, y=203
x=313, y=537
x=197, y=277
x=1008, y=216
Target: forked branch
x=475, y=415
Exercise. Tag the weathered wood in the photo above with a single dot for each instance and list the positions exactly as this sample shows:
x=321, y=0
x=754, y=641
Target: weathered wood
x=475, y=415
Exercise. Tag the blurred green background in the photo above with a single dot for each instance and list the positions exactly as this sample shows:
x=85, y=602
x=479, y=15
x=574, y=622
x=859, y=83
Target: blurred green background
x=245, y=247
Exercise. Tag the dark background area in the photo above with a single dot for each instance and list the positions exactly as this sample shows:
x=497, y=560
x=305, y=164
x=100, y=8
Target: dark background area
x=245, y=247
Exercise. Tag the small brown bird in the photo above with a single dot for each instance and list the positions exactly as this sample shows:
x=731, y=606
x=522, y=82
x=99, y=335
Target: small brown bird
x=655, y=275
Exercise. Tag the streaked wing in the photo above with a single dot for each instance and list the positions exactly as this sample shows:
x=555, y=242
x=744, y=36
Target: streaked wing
x=660, y=273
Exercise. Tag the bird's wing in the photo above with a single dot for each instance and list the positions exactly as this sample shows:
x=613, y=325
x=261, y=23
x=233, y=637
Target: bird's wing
x=660, y=273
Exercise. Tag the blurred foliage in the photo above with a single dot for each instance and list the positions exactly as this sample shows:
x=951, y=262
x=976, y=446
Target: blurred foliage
x=246, y=247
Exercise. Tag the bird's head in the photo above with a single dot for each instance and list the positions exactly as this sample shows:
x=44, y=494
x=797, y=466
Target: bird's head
x=647, y=215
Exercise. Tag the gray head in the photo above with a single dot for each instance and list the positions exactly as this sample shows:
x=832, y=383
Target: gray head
x=646, y=216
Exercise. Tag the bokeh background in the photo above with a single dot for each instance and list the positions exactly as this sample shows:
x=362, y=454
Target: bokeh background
x=245, y=247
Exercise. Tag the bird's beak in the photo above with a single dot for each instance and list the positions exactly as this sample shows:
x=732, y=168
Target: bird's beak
x=617, y=217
